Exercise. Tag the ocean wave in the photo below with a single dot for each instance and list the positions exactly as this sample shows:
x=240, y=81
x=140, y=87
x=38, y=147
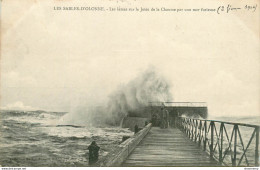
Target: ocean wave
x=11, y=113
x=32, y=120
x=70, y=126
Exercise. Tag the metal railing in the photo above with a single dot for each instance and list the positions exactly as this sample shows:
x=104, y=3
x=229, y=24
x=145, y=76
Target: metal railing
x=231, y=144
x=179, y=104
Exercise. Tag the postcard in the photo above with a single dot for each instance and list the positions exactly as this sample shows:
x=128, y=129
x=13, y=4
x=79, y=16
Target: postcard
x=129, y=83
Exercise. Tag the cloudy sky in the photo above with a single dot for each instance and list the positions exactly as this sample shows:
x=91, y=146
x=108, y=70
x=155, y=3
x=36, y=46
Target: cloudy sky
x=54, y=60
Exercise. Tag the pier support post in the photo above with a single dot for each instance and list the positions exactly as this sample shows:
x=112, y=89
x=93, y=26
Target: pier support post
x=196, y=130
x=205, y=135
x=257, y=147
x=221, y=143
x=192, y=129
x=234, y=162
x=200, y=129
x=211, y=139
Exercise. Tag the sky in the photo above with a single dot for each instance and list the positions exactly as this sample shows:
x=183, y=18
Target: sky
x=57, y=60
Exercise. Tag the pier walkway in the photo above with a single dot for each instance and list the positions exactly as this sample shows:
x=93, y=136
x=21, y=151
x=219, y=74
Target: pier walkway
x=193, y=143
x=168, y=147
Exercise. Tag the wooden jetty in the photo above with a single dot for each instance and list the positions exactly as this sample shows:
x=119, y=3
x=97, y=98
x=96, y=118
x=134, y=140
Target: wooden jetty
x=191, y=143
x=168, y=147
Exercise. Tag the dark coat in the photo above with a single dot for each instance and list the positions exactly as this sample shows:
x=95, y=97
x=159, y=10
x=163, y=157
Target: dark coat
x=93, y=152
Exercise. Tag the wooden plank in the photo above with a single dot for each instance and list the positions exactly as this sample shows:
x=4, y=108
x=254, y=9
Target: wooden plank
x=169, y=162
x=183, y=156
x=162, y=164
x=168, y=147
x=167, y=153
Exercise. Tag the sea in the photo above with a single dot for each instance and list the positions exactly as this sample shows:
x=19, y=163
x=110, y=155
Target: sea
x=35, y=139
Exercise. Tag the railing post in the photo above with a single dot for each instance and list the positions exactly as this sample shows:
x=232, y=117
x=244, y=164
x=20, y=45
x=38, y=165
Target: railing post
x=234, y=162
x=257, y=147
x=189, y=128
x=221, y=143
x=205, y=135
x=200, y=128
x=181, y=123
x=192, y=133
x=196, y=130
x=185, y=125
x=211, y=139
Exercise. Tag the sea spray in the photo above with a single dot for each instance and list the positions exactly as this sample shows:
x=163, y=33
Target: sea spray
x=126, y=100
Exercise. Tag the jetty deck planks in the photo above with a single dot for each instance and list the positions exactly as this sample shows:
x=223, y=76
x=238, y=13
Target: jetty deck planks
x=168, y=147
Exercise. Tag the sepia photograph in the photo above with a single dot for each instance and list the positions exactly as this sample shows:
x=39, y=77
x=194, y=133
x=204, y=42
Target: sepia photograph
x=129, y=83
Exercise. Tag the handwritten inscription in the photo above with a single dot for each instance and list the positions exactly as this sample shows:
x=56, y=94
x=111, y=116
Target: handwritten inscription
x=251, y=7
x=227, y=9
